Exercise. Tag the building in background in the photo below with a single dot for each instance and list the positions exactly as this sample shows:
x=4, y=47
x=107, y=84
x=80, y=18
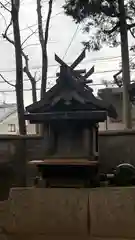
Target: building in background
x=9, y=120
x=114, y=96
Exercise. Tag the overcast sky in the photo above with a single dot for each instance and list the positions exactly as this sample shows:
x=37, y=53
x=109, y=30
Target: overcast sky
x=62, y=30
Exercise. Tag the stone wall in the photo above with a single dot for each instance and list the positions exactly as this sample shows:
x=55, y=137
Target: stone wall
x=65, y=214
x=114, y=147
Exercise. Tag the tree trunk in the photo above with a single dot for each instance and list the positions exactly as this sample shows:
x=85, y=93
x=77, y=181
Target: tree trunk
x=43, y=38
x=34, y=92
x=21, y=167
x=43, y=82
x=19, y=70
x=44, y=72
x=34, y=99
x=125, y=65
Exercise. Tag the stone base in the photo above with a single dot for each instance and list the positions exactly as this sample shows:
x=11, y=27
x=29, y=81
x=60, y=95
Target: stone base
x=63, y=214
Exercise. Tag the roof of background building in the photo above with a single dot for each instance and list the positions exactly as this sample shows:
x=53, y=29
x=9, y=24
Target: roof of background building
x=10, y=109
x=112, y=91
x=7, y=105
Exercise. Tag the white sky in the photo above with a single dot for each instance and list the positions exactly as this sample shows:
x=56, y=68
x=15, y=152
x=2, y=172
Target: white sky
x=62, y=29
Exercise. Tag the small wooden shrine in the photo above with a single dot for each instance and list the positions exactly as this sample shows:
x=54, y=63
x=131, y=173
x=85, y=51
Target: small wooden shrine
x=70, y=114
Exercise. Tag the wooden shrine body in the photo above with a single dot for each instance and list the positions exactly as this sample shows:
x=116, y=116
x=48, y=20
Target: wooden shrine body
x=70, y=114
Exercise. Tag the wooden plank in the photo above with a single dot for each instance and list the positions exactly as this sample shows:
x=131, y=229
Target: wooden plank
x=88, y=81
x=69, y=68
x=75, y=73
x=80, y=71
x=74, y=64
x=119, y=72
x=72, y=162
x=90, y=72
x=60, y=61
x=91, y=115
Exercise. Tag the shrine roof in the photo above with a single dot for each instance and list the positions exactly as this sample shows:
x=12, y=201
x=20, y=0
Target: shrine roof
x=71, y=87
x=69, y=90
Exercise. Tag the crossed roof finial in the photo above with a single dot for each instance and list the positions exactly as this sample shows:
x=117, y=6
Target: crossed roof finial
x=76, y=73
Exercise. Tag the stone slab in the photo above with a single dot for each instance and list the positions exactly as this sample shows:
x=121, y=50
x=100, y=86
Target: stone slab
x=3, y=214
x=43, y=237
x=3, y=237
x=48, y=211
x=112, y=212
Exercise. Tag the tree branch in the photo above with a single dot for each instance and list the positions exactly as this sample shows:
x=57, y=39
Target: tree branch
x=29, y=36
x=113, y=29
x=132, y=6
x=116, y=80
x=31, y=78
x=10, y=23
x=129, y=26
x=8, y=39
x=7, y=2
x=3, y=18
x=38, y=79
x=5, y=36
x=48, y=22
x=132, y=33
x=12, y=85
x=4, y=6
x=23, y=54
x=40, y=23
x=26, y=68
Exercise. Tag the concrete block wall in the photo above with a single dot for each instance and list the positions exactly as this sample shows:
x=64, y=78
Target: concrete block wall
x=115, y=147
x=110, y=145
x=104, y=213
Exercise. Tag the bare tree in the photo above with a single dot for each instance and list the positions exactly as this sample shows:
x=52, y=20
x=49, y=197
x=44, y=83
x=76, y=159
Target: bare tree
x=30, y=77
x=26, y=60
x=20, y=166
x=26, y=68
x=33, y=83
x=43, y=38
x=18, y=58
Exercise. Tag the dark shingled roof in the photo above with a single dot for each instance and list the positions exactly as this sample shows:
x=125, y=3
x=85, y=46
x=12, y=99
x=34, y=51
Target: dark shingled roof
x=69, y=88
